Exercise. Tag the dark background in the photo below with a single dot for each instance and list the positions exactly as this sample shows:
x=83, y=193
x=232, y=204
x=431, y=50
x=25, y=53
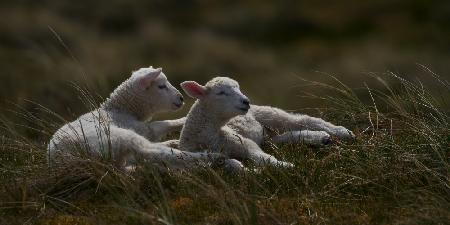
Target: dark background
x=265, y=45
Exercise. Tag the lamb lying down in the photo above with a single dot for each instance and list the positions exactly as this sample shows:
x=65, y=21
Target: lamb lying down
x=222, y=120
x=118, y=129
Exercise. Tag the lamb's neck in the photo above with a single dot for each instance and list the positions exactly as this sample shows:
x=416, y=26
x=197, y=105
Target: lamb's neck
x=205, y=119
x=122, y=100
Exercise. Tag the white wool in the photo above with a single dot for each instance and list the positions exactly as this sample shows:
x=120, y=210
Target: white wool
x=260, y=120
x=205, y=127
x=118, y=129
x=214, y=123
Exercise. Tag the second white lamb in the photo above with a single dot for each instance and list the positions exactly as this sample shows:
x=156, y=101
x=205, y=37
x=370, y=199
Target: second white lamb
x=222, y=120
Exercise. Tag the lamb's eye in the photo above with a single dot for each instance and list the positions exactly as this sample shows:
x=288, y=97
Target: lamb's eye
x=222, y=93
x=163, y=86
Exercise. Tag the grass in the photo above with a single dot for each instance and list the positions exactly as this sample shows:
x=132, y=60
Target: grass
x=395, y=172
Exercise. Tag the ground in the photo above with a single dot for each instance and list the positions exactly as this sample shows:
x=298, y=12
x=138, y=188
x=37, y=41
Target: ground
x=395, y=172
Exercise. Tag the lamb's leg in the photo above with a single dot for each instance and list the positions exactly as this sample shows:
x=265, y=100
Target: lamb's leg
x=127, y=143
x=261, y=159
x=171, y=143
x=315, y=138
x=236, y=146
x=281, y=120
x=130, y=168
x=161, y=128
x=233, y=165
x=182, y=159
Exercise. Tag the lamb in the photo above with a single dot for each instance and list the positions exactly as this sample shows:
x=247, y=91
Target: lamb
x=206, y=124
x=223, y=120
x=119, y=129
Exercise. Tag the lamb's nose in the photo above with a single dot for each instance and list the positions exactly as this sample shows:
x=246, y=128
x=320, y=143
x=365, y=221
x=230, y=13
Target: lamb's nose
x=245, y=101
x=181, y=98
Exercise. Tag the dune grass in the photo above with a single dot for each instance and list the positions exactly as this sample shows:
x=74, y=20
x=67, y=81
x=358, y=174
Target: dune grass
x=395, y=172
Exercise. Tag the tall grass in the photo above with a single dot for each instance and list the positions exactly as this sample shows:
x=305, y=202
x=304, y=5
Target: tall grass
x=395, y=172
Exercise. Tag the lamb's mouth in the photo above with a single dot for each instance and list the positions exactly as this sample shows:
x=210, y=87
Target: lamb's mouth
x=244, y=109
x=178, y=105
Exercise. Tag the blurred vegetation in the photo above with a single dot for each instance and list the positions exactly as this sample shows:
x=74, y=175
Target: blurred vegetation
x=45, y=45
x=282, y=52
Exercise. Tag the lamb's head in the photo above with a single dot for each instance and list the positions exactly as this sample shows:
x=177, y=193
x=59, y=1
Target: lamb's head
x=220, y=95
x=154, y=91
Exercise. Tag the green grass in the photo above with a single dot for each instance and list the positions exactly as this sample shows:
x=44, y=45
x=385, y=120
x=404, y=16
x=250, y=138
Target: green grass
x=395, y=172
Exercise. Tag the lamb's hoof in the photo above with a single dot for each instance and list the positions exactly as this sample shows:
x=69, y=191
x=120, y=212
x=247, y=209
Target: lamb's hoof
x=286, y=165
x=343, y=133
x=327, y=140
x=324, y=138
x=130, y=169
x=172, y=144
x=218, y=160
x=234, y=166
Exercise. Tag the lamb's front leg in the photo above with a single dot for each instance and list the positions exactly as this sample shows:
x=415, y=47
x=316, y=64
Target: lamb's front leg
x=315, y=138
x=161, y=129
x=262, y=159
x=181, y=159
x=171, y=143
x=236, y=146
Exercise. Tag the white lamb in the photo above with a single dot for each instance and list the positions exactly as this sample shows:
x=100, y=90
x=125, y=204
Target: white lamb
x=222, y=120
x=118, y=129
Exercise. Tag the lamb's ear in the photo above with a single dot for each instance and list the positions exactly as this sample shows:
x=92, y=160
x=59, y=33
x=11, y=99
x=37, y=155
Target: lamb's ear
x=193, y=89
x=145, y=76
